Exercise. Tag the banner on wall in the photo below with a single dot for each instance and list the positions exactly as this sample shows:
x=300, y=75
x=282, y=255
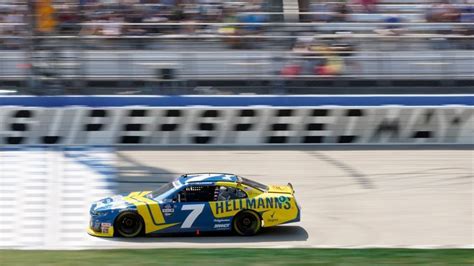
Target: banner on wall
x=250, y=125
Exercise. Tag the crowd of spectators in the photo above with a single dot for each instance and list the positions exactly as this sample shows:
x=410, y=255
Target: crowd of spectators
x=337, y=11
x=70, y=17
x=432, y=11
x=318, y=55
x=167, y=12
x=186, y=17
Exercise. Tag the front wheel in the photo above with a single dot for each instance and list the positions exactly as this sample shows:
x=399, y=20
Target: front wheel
x=129, y=224
x=247, y=223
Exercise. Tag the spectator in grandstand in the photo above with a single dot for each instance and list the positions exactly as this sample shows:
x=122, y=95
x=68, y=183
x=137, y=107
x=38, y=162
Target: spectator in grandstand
x=67, y=19
x=135, y=16
x=291, y=70
x=317, y=57
x=12, y=16
x=230, y=30
x=173, y=11
x=243, y=14
x=177, y=13
x=341, y=10
x=321, y=11
x=332, y=66
x=253, y=20
x=368, y=5
x=209, y=11
x=329, y=11
x=442, y=11
x=466, y=16
x=114, y=26
x=392, y=25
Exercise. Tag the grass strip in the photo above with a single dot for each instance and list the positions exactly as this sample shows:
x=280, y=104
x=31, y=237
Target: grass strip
x=204, y=257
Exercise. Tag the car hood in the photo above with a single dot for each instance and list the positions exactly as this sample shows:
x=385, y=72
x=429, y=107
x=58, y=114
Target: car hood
x=116, y=202
x=109, y=203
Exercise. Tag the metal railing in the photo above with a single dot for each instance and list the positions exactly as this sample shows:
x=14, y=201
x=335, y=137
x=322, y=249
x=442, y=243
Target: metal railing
x=421, y=51
x=106, y=65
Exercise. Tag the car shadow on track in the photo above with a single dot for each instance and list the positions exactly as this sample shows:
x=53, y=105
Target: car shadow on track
x=133, y=175
x=273, y=234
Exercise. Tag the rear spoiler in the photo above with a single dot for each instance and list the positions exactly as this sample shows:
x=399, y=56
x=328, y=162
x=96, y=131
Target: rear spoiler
x=290, y=185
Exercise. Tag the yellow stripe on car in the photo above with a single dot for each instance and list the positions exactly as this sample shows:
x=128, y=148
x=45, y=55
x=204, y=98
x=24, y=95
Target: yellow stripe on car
x=132, y=194
x=150, y=211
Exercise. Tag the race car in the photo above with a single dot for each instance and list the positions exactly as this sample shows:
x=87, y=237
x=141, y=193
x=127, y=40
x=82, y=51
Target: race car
x=199, y=202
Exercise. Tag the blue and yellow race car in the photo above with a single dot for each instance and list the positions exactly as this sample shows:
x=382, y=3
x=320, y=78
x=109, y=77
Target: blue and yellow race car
x=196, y=203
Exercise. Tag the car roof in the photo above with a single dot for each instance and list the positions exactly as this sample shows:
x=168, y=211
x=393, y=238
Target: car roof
x=208, y=177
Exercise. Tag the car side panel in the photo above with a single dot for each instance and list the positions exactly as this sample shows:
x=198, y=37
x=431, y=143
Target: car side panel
x=178, y=217
x=273, y=208
x=190, y=217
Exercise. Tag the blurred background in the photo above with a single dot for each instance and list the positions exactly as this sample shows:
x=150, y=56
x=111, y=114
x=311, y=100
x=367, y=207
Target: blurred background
x=228, y=47
x=384, y=195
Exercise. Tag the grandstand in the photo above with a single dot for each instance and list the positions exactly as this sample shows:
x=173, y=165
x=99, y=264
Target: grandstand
x=238, y=46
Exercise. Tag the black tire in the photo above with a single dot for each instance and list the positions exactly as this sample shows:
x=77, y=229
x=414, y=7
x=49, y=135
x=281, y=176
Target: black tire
x=247, y=223
x=128, y=224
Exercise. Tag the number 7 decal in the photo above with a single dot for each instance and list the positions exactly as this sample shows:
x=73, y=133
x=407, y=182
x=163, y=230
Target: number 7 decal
x=196, y=210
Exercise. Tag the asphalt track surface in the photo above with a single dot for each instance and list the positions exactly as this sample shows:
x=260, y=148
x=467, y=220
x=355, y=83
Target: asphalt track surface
x=349, y=198
x=374, y=197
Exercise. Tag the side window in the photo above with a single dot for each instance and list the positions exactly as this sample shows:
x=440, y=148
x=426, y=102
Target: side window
x=229, y=193
x=196, y=194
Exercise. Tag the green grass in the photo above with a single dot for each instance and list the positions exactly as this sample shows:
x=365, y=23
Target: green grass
x=241, y=257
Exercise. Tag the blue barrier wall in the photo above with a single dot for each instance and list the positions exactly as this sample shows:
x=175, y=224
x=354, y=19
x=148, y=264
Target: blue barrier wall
x=237, y=101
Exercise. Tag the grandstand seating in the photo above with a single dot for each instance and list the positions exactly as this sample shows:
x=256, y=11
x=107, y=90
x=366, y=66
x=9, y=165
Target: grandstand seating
x=187, y=51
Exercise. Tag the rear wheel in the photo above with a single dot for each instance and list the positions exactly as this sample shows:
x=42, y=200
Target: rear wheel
x=128, y=224
x=247, y=223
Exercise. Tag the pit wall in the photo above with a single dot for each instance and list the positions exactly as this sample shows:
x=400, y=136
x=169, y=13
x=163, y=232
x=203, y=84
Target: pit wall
x=236, y=120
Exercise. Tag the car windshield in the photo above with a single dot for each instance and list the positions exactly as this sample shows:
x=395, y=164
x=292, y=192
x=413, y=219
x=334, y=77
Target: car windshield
x=254, y=184
x=161, y=192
